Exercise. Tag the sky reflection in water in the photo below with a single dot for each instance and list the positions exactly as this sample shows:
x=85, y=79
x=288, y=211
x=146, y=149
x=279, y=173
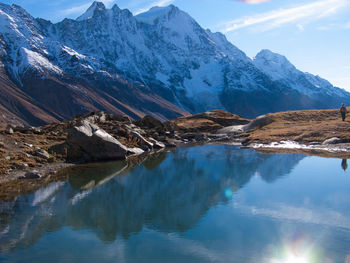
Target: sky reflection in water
x=201, y=204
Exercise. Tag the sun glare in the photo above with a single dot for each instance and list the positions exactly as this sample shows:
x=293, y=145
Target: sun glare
x=291, y=256
x=295, y=259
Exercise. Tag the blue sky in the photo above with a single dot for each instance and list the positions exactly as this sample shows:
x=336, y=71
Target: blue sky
x=313, y=34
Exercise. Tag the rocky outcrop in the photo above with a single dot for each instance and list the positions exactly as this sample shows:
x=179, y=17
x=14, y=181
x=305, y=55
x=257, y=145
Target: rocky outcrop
x=210, y=121
x=150, y=123
x=88, y=142
x=259, y=122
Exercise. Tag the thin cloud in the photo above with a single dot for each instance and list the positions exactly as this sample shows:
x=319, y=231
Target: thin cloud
x=75, y=9
x=82, y=8
x=156, y=3
x=299, y=14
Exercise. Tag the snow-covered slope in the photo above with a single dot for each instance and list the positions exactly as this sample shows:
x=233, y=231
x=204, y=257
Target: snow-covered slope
x=163, y=53
x=278, y=68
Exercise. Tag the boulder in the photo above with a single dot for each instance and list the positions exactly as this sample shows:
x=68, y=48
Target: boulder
x=9, y=130
x=142, y=140
x=88, y=142
x=259, y=122
x=333, y=140
x=31, y=175
x=22, y=166
x=120, y=118
x=157, y=144
x=41, y=153
x=231, y=130
x=97, y=117
x=151, y=123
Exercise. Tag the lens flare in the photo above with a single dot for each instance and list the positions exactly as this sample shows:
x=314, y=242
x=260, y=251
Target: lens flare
x=228, y=193
x=291, y=258
x=301, y=250
x=296, y=259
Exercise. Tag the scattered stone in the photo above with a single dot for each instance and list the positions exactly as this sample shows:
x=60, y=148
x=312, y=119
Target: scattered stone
x=9, y=130
x=143, y=141
x=41, y=153
x=150, y=122
x=333, y=140
x=97, y=117
x=8, y=158
x=28, y=155
x=31, y=175
x=23, y=129
x=35, y=130
x=22, y=166
x=171, y=144
x=157, y=144
x=120, y=118
x=200, y=137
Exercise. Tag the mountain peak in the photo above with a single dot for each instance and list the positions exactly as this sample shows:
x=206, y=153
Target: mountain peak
x=269, y=56
x=155, y=12
x=96, y=6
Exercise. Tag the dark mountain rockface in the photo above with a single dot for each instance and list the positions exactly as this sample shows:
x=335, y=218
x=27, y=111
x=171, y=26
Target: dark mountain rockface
x=161, y=62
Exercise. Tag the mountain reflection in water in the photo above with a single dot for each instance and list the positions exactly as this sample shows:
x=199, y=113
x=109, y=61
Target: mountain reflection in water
x=212, y=203
x=112, y=199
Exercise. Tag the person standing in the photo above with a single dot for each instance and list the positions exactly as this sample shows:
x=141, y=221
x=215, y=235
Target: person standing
x=343, y=112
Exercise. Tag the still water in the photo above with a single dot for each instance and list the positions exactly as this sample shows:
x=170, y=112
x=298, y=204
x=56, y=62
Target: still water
x=213, y=203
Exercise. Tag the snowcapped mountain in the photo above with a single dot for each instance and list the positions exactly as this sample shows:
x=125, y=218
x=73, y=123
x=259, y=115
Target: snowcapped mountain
x=160, y=62
x=278, y=68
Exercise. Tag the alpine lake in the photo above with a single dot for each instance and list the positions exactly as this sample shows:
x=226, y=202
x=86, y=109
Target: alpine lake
x=210, y=203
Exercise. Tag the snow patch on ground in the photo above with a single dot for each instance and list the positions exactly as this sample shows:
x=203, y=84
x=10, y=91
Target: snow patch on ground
x=297, y=146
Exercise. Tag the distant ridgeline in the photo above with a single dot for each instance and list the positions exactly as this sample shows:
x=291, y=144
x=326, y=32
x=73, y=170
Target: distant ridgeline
x=161, y=62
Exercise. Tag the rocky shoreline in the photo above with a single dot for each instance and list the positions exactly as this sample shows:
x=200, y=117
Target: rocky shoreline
x=29, y=154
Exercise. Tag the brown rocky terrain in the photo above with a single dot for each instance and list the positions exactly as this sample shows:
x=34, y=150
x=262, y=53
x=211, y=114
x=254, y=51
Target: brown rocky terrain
x=322, y=128
x=31, y=156
x=26, y=148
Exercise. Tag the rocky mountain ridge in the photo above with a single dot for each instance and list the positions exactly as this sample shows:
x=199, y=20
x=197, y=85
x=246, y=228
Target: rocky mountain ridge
x=161, y=62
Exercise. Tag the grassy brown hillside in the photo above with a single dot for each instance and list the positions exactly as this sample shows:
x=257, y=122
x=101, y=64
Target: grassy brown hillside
x=307, y=126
